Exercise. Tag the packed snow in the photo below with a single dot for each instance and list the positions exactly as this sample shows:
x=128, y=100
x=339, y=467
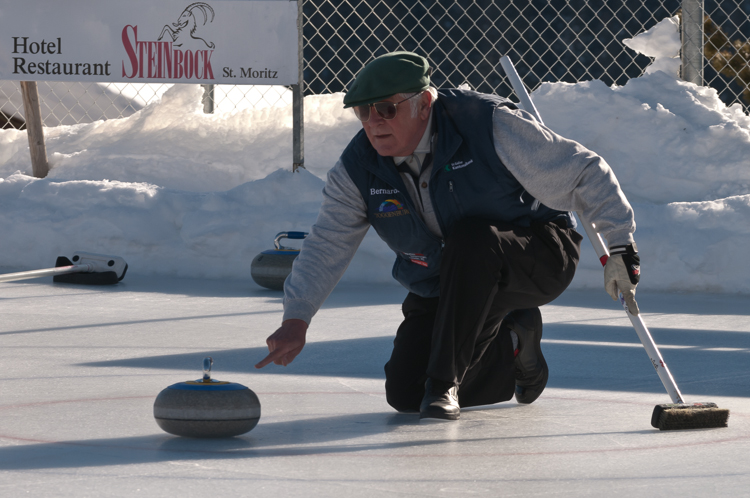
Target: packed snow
x=662, y=42
x=178, y=192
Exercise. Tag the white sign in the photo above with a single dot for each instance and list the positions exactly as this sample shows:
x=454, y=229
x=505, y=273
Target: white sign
x=242, y=42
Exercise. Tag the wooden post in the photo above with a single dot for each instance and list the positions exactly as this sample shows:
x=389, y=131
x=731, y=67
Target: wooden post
x=33, y=112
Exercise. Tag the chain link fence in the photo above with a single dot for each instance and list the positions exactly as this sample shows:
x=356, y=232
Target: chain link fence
x=727, y=50
x=74, y=103
x=570, y=40
x=548, y=40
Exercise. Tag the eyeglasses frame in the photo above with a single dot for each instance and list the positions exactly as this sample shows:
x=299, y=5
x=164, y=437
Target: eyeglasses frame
x=394, y=104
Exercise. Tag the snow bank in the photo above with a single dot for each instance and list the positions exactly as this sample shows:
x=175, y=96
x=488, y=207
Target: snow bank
x=178, y=192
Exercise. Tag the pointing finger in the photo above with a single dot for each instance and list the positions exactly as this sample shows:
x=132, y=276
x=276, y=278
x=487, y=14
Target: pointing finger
x=273, y=357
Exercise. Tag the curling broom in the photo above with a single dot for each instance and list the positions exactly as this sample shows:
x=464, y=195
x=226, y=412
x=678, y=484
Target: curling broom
x=85, y=268
x=675, y=415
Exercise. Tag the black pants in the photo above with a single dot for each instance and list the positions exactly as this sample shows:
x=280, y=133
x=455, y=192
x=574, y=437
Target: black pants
x=488, y=269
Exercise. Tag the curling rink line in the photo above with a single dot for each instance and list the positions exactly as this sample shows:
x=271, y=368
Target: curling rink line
x=472, y=415
x=131, y=323
x=569, y=342
x=262, y=452
x=88, y=400
x=639, y=345
x=330, y=393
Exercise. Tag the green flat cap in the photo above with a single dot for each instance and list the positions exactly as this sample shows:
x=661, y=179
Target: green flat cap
x=387, y=75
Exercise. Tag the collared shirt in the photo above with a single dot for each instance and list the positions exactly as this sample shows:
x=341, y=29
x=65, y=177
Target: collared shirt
x=417, y=179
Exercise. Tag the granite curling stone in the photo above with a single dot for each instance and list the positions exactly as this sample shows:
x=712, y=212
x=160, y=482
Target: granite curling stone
x=207, y=408
x=270, y=268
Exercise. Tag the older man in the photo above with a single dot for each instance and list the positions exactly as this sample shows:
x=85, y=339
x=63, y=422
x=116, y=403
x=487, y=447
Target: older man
x=474, y=197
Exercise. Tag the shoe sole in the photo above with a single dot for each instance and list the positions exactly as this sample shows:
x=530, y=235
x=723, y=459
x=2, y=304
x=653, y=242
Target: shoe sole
x=438, y=415
x=521, y=391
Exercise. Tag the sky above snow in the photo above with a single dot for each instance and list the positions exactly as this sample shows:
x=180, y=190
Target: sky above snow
x=178, y=192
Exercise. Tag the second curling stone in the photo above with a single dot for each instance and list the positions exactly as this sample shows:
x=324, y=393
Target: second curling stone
x=270, y=268
x=207, y=408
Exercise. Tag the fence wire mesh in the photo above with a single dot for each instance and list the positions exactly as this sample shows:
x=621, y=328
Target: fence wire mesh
x=727, y=50
x=74, y=103
x=565, y=40
x=548, y=40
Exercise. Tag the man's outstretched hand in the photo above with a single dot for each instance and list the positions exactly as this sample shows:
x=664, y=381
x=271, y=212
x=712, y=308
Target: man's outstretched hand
x=286, y=343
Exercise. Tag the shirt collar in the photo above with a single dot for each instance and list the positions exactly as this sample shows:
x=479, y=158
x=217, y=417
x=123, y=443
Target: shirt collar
x=423, y=147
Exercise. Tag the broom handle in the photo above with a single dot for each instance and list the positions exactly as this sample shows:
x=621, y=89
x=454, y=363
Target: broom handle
x=601, y=251
x=60, y=270
x=638, y=324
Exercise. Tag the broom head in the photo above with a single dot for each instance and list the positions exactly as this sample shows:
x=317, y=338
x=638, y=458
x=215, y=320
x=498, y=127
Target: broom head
x=679, y=416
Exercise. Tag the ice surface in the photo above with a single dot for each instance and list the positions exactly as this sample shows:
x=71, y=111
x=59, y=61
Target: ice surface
x=84, y=365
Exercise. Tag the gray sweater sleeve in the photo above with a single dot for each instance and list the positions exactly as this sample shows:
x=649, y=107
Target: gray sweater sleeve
x=563, y=174
x=329, y=248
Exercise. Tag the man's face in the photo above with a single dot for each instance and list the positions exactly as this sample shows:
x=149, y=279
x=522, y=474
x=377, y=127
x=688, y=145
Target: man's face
x=399, y=136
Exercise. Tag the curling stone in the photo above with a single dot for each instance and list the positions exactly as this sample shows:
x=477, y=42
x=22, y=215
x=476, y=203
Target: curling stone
x=270, y=268
x=206, y=407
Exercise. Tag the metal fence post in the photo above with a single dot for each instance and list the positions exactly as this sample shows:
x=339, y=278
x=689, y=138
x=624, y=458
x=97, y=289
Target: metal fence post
x=692, y=41
x=208, y=98
x=298, y=100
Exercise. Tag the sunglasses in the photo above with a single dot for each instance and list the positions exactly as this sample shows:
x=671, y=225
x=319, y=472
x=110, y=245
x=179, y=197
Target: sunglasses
x=386, y=110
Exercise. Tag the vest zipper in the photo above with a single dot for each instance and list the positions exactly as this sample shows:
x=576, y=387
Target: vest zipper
x=534, y=205
x=455, y=197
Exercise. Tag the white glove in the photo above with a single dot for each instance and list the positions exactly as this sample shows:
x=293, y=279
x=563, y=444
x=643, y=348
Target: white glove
x=623, y=272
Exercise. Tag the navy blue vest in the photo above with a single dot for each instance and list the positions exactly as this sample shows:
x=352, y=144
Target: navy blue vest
x=468, y=181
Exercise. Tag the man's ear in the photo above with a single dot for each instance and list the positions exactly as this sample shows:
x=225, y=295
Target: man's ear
x=425, y=103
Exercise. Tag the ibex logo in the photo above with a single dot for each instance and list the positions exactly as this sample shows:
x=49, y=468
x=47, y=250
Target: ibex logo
x=184, y=55
x=188, y=19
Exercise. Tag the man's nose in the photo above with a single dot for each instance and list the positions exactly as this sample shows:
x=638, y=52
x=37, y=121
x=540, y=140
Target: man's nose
x=375, y=117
